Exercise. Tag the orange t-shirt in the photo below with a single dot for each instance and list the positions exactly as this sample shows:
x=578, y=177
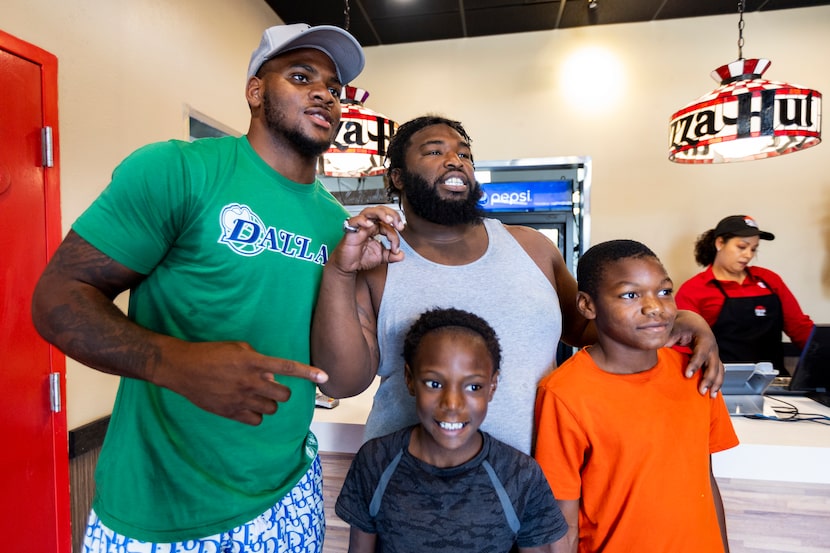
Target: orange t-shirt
x=635, y=449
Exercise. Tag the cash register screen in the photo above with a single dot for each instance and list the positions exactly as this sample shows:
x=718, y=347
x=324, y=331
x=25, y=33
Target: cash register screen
x=812, y=373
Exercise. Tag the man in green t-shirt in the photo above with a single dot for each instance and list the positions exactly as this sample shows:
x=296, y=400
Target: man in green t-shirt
x=221, y=243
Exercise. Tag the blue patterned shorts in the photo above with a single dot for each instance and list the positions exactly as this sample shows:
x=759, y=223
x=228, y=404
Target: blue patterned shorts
x=296, y=524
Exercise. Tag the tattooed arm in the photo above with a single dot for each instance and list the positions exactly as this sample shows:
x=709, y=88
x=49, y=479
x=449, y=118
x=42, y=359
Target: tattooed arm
x=73, y=308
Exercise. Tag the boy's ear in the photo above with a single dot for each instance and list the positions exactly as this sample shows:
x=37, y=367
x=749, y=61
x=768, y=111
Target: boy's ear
x=585, y=305
x=494, y=383
x=410, y=381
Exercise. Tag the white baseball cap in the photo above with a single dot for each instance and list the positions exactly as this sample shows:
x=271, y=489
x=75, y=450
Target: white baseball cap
x=336, y=43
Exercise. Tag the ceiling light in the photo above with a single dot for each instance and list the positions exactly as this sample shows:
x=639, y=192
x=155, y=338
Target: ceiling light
x=746, y=117
x=592, y=80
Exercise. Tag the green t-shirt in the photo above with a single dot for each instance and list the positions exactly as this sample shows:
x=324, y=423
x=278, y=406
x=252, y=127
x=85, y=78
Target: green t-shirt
x=232, y=251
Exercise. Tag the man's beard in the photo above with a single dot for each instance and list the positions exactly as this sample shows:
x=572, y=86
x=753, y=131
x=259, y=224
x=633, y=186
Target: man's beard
x=305, y=146
x=427, y=204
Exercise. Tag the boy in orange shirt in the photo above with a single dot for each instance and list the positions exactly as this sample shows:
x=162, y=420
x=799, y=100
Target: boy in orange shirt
x=624, y=440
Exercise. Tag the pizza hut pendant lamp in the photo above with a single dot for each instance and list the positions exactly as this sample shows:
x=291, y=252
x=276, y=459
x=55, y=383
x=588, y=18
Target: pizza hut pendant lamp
x=362, y=138
x=747, y=117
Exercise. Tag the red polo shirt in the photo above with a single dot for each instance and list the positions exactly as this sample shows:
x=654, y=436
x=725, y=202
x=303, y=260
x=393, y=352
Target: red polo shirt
x=699, y=294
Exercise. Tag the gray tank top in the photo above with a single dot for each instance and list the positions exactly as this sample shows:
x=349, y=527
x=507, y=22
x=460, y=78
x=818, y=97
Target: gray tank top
x=506, y=288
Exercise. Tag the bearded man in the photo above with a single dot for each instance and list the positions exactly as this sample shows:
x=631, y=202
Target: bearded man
x=514, y=277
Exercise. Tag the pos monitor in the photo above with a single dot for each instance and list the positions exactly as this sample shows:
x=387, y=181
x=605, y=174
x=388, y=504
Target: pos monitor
x=812, y=373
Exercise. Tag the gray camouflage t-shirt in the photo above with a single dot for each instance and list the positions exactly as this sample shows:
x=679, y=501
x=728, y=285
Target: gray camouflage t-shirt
x=498, y=498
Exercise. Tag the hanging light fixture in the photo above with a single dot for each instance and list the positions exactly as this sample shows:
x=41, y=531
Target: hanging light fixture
x=362, y=137
x=746, y=117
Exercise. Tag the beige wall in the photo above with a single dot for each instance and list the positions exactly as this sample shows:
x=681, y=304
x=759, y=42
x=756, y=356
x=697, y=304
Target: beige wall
x=510, y=93
x=515, y=100
x=128, y=69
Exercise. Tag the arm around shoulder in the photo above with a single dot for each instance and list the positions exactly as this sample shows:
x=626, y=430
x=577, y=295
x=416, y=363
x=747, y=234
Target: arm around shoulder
x=576, y=329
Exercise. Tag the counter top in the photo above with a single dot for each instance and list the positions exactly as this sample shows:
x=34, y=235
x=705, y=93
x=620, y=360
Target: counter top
x=787, y=451
x=769, y=449
x=340, y=429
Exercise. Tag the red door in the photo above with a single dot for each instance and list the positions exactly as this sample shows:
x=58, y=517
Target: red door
x=34, y=474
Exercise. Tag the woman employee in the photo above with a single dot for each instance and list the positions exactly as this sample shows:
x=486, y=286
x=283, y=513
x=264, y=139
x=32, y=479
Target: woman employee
x=747, y=308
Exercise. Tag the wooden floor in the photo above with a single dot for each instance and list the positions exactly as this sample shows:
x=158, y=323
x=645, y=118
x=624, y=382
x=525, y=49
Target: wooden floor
x=335, y=466
x=776, y=517
x=762, y=517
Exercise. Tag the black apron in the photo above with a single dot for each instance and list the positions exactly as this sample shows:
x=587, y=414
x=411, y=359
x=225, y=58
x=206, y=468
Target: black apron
x=748, y=330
